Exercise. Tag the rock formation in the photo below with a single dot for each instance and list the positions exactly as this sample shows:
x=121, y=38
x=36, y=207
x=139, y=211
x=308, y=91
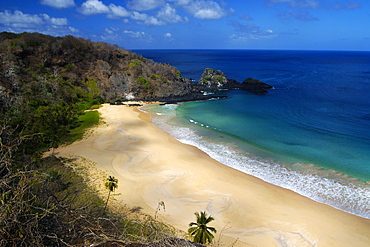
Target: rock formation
x=212, y=80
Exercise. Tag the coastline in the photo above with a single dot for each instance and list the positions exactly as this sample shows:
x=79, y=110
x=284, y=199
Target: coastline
x=152, y=166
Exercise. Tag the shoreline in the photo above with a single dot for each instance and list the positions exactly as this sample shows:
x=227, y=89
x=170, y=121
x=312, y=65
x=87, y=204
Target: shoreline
x=152, y=166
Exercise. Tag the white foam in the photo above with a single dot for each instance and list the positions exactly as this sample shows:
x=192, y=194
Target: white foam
x=346, y=196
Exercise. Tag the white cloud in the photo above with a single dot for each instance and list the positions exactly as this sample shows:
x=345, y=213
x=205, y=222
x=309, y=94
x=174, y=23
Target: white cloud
x=168, y=14
x=246, y=32
x=146, y=19
x=138, y=16
x=168, y=36
x=111, y=30
x=59, y=3
x=134, y=34
x=55, y=21
x=117, y=11
x=137, y=35
x=207, y=10
x=91, y=7
x=73, y=30
x=142, y=5
x=20, y=22
x=152, y=21
x=18, y=19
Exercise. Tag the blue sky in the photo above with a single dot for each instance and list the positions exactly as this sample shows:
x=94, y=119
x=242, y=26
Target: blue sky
x=198, y=24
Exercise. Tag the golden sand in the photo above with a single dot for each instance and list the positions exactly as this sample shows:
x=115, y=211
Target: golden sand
x=151, y=167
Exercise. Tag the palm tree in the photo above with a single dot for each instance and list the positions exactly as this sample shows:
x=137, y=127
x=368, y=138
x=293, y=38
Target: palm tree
x=201, y=232
x=111, y=185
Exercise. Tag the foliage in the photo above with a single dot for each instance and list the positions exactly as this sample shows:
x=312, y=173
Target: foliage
x=219, y=78
x=46, y=203
x=46, y=85
x=144, y=82
x=201, y=232
x=87, y=120
x=134, y=63
x=111, y=185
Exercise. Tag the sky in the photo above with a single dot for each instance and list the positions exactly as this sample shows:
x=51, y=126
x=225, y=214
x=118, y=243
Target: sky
x=198, y=24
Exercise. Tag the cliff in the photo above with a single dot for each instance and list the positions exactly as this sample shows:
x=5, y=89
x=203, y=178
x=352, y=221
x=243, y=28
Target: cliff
x=53, y=64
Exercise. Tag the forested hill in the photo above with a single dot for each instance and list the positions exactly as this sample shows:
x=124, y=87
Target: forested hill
x=46, y=84
x=67, y=66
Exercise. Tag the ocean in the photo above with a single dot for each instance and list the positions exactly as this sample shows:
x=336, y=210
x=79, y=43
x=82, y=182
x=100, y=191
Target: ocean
x=310, y=134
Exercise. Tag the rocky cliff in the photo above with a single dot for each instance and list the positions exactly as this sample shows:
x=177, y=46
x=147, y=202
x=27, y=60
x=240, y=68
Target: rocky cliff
x=55, y=63
x=68, y=67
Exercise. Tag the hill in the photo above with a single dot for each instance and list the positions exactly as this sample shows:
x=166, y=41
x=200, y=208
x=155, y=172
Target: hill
x=59, y=65
x=46, y=85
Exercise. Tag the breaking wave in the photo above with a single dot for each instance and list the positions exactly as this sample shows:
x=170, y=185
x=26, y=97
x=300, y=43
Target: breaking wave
x=324, y=186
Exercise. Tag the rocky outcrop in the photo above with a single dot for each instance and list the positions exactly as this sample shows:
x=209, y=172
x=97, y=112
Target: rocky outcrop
x=46, y=61
x=255, y=86
x=62, y=66
x=212, y=80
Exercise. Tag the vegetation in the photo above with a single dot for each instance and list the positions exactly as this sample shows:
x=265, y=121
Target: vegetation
x=111, y=185
x=86, y=121
x=201, y=232
x=47, y=86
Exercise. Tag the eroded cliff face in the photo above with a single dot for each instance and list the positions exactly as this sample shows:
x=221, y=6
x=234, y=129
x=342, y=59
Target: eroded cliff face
x=55, y=62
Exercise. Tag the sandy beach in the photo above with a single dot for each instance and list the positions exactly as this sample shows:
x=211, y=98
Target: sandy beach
x=151, y=166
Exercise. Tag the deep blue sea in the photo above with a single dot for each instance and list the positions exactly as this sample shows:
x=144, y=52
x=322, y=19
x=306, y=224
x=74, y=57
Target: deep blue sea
x=310, y=134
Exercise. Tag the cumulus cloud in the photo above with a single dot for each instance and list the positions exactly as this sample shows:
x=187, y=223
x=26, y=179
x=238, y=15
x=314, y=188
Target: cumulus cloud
x=137, y=35
x=168, y=36
x=142, y=5
x=208, y=10
x=165, y=15
x=142, y=18
x=168, y=14
x=60, y=4
x=92, y=7
x=55, y=21
x=18, y=21
x=244, y=32
x=112, y=34
x=117, y=11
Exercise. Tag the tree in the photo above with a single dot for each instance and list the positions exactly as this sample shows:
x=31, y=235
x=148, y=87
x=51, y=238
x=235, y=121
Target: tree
x=111, y=185
x=201, y=232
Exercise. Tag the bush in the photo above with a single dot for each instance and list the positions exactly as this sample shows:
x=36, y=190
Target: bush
x=87, y=120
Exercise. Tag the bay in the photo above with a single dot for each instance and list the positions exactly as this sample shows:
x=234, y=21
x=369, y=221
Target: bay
x=310, y=134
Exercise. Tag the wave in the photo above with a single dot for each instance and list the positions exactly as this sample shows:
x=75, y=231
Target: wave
x=324, y=186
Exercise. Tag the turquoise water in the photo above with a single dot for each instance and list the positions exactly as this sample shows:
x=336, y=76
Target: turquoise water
x=310, y=134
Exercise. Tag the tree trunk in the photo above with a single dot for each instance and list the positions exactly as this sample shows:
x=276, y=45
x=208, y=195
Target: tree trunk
x=107, y=201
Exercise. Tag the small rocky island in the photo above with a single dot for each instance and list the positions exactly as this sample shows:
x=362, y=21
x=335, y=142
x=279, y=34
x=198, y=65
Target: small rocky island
x=212, y=80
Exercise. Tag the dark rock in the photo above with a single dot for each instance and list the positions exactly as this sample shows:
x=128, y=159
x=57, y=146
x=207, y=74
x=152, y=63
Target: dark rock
x=213, y=80
x=254, y=84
